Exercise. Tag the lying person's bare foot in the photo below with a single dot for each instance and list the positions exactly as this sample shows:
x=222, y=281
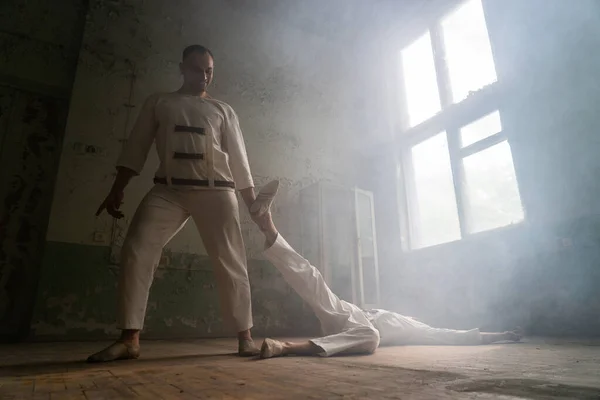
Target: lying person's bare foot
x=117, y=351
x=260, y=210
x=492, y=337
x=271, y=348
x=515, y=335
x=264, y=198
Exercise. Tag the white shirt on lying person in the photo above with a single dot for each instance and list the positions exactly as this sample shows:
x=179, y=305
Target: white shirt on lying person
x=197, y=140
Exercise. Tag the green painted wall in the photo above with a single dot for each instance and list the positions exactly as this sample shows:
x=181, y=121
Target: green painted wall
x=77, y=300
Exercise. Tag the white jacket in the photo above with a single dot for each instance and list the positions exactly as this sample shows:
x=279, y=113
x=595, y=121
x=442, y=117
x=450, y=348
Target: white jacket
x=199, y=143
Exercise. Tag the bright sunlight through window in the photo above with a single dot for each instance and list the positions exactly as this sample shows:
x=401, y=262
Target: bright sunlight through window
x=420, y=85
x=480, y=129
x=479, y=165
x=468, y=51
x=435, y=211
x=492, y=192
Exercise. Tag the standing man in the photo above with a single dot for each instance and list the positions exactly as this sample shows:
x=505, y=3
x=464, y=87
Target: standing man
x=202, y=161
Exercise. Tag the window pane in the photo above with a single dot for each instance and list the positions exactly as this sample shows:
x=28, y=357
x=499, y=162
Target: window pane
x=491, y=189
x=434, y=212
x=420, y=82
x=367, y=248
x=480, y=129
x=468, y=51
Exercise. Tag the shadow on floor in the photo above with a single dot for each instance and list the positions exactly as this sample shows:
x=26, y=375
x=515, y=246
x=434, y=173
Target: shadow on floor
x=50, y=367
x=528, y=388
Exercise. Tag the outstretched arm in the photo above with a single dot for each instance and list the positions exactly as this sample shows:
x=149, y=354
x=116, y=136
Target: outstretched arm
x=233, y=144
x=238, y=159
x=132, y=158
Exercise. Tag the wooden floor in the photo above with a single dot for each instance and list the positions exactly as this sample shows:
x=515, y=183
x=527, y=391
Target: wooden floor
x=536, y=369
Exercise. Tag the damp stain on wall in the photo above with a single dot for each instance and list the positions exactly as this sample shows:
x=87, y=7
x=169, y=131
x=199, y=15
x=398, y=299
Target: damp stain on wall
x=183, y=299
x=31, y=143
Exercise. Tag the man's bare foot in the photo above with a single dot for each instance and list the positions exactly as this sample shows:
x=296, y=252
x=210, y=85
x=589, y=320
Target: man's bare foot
x=247, y=348
x=117, y=351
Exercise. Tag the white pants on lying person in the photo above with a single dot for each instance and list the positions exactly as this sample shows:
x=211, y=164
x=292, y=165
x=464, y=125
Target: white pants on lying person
x=347, y=329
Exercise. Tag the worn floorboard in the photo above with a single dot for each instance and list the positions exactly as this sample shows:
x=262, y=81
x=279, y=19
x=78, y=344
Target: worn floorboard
x=207, y=369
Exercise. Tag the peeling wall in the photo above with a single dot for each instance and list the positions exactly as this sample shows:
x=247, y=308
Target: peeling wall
x=39, y=43
x=298, y=116
x=31, y=141
x=183, y=301
x=290, y=74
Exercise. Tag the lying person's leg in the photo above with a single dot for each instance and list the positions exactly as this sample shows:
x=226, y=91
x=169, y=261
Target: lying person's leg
x=275, y=348
x=357, y=340
x=305, y=279
x=397, y=329
x=507, y=336
x=347, y=327
x=439, y=336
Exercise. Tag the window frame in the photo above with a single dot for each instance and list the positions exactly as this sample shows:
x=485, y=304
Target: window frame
x=451, y=118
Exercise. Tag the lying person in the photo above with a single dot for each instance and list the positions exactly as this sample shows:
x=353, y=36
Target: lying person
x=347, y=328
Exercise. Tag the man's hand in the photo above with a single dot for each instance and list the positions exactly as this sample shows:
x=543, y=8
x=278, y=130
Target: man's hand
x=249, y=198
x=112, y=203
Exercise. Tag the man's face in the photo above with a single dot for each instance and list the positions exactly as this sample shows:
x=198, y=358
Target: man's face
x=197, y=71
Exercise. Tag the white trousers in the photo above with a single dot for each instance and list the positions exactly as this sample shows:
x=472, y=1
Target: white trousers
x=160, y=215
x=349, y=329
x=397, y=330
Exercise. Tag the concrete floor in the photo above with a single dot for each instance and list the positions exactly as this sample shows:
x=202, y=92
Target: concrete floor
x=205, y=369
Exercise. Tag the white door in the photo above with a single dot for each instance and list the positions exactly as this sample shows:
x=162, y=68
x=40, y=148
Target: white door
x=366, y=249
x=338, y=241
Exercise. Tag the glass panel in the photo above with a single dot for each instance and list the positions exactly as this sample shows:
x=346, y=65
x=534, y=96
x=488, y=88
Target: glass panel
x=311, y=235
x=339, y=235
x=435, y=215
x=491, y=189
x=468, y=51
x=367, y=248
x=420, y=82
x=480, y=129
